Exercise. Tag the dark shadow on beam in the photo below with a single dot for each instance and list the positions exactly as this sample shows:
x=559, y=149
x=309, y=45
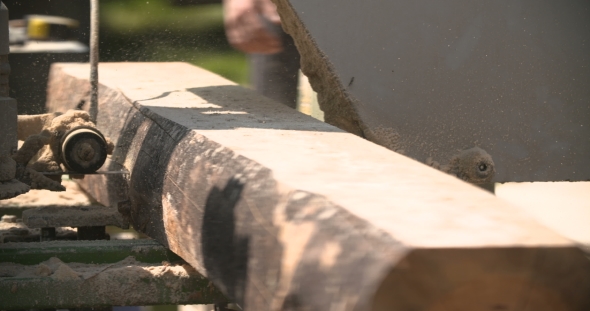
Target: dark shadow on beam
x=227, y=108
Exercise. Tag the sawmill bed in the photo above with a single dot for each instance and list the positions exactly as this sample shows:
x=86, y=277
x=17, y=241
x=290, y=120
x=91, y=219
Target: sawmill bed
x=281, y=211
x=62, y=274
x=68, y=273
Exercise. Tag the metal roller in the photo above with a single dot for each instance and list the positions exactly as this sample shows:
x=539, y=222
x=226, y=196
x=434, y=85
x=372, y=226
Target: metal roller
x=83, y=150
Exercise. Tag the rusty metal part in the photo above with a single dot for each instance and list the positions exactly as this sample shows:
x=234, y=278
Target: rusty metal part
x=55, y=139
x=124, y=207
x=83, y=149
x=186, y=287
x=92, y=233
x=76, y=174
x=89, y=220
x=73, y=216
x=14, y=230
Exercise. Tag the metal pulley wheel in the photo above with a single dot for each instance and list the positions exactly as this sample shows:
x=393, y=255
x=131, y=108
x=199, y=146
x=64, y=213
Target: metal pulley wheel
x=83, y=150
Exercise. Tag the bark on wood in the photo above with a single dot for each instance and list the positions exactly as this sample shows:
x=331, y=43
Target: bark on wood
x=283, y=212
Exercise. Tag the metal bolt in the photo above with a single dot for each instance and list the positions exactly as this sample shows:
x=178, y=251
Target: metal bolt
x=473, y=165
x=482, y=167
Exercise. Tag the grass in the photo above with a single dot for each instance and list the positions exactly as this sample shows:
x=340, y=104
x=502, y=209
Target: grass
x=155, y=31
x=137, y=16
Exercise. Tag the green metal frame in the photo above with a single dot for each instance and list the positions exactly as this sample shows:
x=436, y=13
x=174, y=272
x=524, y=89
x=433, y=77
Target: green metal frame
x=116, y=285
x=92, y=252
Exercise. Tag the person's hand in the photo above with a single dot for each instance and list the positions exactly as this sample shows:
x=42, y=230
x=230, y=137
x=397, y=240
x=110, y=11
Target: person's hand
x=250, y=26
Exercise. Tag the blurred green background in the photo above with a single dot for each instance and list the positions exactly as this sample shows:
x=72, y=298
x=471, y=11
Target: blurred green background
x=157, y=30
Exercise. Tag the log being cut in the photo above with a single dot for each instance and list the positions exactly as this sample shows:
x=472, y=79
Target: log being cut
x=284, y=212
x=431, y=79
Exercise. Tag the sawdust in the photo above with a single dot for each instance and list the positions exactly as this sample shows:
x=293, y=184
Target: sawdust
x=121, y=281
x=69, y=120
x=8, y=219
x=386, y=137
x=17, y=227
x=75, y=216
x=57, y=269
x=72, y=196
x=64, y=272
x=12, y=188
x=338, y=105
x=33, y=124
x=53, y=268
x=43, y=270
x=37, y=180
x=31, y=146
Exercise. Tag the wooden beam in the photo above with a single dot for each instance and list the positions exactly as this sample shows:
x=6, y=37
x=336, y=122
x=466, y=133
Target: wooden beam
x=284, y=212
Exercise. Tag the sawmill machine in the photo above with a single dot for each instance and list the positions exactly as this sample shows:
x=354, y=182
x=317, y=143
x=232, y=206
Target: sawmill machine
x=432, y=83
x=44, y=236
x=53, y=144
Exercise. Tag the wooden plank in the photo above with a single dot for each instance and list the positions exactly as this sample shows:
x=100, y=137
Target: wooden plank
x=284, y=212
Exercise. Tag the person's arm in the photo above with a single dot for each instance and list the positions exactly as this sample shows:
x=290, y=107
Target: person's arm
x=250, y=24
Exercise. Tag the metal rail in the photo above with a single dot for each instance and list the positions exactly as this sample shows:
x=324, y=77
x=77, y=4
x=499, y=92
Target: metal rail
x=76, y=274
x=94, y=43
